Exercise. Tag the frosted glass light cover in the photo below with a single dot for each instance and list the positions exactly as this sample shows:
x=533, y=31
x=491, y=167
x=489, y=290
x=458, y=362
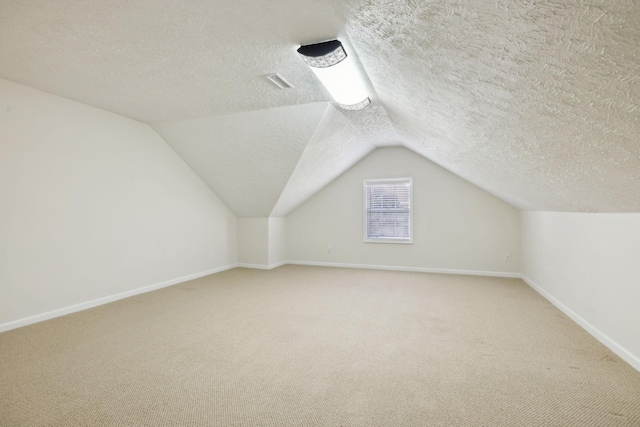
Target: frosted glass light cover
x=328, y=60
x=358, y=106
x=339, y=75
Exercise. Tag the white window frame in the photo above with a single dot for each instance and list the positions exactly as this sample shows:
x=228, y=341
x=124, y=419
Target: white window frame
x=364, y=216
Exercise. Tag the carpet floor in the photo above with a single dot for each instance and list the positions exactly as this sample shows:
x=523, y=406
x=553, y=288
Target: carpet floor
x=315, y=346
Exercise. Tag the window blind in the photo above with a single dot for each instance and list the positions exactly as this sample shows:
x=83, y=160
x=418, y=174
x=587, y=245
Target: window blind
x=388, y=210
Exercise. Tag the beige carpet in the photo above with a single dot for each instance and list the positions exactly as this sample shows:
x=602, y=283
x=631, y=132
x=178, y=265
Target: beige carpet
x=313, y=346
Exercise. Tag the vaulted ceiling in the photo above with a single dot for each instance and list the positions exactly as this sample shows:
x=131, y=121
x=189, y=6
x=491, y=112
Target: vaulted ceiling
x=536, y=102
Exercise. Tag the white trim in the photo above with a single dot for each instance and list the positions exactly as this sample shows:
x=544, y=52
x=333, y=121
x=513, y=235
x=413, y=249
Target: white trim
x=622, y=352
x=385, y=240
x=105, y=300
x=277, y=264
x=262, y=266
x=406, y=268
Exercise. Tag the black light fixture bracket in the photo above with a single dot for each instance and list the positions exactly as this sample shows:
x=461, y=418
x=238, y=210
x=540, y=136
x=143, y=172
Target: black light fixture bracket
x=324, y=54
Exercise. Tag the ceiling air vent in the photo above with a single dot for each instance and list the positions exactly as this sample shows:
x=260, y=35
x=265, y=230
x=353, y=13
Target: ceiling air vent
x=279, y=81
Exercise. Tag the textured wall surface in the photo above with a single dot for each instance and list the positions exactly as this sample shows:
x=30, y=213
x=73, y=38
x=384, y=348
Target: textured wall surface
x=536, y=102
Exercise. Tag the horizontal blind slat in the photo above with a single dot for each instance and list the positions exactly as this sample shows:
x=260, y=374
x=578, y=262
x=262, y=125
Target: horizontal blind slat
x=388, y=209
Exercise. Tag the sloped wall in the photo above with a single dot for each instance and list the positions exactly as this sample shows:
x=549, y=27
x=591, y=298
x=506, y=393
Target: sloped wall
x=587, y=265
x=94, y=205
x=457, y=226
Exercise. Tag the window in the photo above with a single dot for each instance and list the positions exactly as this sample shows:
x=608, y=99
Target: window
x=387, y=210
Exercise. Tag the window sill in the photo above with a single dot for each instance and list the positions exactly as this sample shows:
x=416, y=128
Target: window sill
x=402, y=242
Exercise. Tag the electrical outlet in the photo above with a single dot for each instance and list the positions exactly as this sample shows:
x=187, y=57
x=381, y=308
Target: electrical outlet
x=210, y=254
x=507, y=258
x=329, y=250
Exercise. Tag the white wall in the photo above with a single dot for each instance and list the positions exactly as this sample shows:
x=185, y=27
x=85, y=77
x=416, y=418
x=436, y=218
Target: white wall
x=457, y=226
x=277, y=240
x=94, y=204
x=587, y=264
x=253, y=242
x=261, y=242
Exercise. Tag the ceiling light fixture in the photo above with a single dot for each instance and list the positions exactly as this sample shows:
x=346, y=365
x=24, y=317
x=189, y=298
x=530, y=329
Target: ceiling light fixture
x=337, y=72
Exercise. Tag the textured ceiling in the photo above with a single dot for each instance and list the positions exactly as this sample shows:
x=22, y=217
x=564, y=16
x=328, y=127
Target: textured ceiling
x=336, y=145
x=536, y=102
x=245, y=158
x=164, y=59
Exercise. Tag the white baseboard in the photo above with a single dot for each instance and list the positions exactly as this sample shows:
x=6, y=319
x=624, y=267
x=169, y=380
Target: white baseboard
x=595, y=332
x=612, y=345
x=262, y=266
x=404, y=268
x=105, y=300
